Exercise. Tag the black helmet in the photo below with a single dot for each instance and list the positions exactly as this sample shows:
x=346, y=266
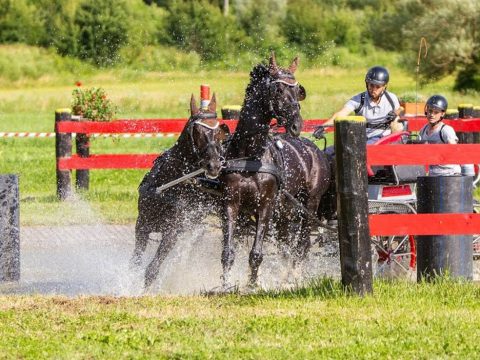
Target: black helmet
x=377, y=75
x=437, y=102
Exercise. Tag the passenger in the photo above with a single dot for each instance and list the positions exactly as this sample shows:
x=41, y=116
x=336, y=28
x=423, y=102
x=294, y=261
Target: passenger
x=379, y=106
x=437, y=132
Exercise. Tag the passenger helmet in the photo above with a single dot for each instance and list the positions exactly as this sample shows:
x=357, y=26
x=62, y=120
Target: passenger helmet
x=437, y=102
x=377, y=75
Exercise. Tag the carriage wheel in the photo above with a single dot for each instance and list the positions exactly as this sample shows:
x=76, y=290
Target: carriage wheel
x=394, y=256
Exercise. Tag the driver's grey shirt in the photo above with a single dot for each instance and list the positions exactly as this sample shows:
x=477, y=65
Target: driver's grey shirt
x=448, y=135
x=374, y=113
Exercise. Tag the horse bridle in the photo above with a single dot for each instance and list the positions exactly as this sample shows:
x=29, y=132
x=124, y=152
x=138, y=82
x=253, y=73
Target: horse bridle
x=283, y=79
x=197, y=119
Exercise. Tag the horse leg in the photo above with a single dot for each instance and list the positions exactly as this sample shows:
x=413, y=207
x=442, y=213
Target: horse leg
x=305, y=243
x=142, y=232
x=228, y=251
x=256, y=254
x=169, y=239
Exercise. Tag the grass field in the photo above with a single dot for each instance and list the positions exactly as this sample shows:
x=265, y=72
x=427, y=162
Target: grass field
x=400, y=321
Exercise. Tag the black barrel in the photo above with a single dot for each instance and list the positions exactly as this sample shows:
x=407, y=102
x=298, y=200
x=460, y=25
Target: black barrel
x=439, y=254
x=9, y=228
x=231, y=112
x=451, y=114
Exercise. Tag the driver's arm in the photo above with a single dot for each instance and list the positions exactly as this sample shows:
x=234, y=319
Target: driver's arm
x=342, y=112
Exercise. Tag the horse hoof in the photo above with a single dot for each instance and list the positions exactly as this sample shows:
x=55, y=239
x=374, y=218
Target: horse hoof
x=252, y=288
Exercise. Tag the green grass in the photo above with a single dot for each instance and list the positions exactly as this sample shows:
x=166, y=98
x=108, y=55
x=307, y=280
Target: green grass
x=400, y=320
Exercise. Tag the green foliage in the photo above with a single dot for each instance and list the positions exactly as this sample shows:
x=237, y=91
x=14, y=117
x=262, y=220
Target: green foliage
x=316, y=28
x=18, y=22
x=160, y=58
x=92, y=104
x=199, y=26
x=59, y=31
x=469, y=77
x=261, y=21
x=453, y=48
x=103, y=27
x=23, y=63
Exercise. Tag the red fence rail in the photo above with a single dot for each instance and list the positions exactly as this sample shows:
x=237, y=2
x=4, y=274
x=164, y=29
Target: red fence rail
x=144, y=161
x=376, y=155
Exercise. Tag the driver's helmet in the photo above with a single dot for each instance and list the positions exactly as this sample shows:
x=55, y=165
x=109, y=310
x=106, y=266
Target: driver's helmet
x=377, y=75
x=436, y=102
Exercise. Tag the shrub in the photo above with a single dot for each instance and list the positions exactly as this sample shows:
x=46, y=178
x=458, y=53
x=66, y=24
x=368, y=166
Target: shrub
x=102, y=30
x=18, y=22
x=92, y=104
x=199, y=26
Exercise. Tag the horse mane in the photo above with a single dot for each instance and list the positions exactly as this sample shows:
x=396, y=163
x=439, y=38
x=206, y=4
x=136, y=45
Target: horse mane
x=258, y=74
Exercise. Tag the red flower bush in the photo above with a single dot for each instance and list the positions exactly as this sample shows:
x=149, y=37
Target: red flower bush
x=92, y=104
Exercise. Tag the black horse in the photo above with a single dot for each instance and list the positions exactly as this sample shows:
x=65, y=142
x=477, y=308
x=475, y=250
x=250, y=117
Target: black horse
x=266, y=173
x=169, y=211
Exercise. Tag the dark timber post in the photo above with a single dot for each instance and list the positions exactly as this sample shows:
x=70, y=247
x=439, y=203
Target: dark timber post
x=438, y=254
x=9, y=228
x=476, y=114
x=63, y=148
x=82, y=143
x=352, y=203
x=465, y=111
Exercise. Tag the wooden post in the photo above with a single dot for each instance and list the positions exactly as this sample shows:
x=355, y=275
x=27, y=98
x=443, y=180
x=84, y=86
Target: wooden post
x=476, y=114
x=9, y=228
x=82, y=143
x=352, y=204
x=465, y=111
x=63, y=148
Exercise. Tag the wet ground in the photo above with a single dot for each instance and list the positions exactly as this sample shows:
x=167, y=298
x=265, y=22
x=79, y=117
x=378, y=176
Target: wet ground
x=94, y=260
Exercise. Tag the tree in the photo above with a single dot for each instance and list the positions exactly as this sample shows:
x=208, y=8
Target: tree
x=102, y=30
x=450, y=27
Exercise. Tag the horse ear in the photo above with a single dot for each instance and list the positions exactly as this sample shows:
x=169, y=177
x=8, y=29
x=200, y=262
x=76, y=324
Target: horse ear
x=193, y=106
x=223, y=133
x=294, y=65
x=302, y=93
x=273, y=64
x=212, y=106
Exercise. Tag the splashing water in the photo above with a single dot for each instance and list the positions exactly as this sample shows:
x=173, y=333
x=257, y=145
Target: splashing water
x=93, y=259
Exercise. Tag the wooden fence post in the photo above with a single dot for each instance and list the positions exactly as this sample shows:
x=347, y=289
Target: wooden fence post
x=9, y=228
x=476, y=114
x=63, y=148
x=82, y=176
x=465, y=111
x=352, y=204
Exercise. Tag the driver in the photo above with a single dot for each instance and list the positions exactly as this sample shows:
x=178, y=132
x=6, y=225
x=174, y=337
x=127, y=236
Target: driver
x=437, y=132
x=379, y=106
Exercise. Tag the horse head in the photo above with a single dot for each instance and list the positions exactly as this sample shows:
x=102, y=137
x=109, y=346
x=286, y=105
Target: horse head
x=206, y=135
x=285, y=94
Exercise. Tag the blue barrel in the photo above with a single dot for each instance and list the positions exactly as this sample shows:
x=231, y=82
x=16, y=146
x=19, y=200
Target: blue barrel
x=440, y=254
